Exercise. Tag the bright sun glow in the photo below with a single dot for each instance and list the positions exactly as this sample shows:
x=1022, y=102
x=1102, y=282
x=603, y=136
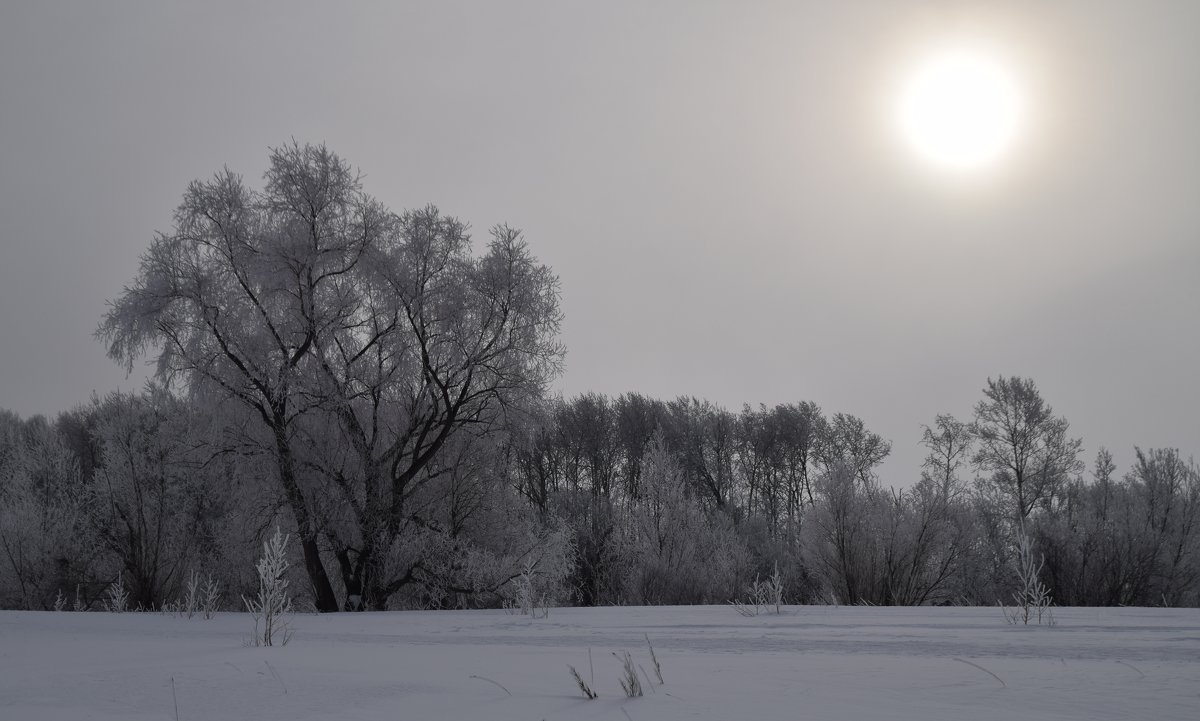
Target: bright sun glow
x=961, y=109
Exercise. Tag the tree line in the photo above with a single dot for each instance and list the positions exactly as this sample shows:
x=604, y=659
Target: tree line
x=369, y=382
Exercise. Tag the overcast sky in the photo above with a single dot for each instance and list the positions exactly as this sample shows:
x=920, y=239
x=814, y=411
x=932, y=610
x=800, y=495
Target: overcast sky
x=719, y=186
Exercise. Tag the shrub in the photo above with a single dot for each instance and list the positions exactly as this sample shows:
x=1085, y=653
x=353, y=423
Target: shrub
x=272, y=607
x=200, y=595
x=1032, y=599
x=118, y=597
x=762, y=596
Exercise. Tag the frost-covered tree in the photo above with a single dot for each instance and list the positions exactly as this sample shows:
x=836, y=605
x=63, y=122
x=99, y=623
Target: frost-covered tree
x=1022, y=447
x=638, y=419
x=675, y=554
x=777, y=453
x=926, y=528
x=842, y=536
x=1083, y=556
x=1165, y=490
x=46, y=544
x=318, y=311
x=703, y=438
x=443, y=346
x=151, y=503
x=844, y=440
x=234, y=299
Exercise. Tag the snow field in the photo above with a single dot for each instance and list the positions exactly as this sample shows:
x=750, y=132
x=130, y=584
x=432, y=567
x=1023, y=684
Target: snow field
x=811, y=662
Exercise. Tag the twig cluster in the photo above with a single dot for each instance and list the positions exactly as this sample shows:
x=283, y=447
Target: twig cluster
x=762, y=596
x=654, y=660
x=584, y=688
x=631, y=683
x=118, y=597
x=200, y=596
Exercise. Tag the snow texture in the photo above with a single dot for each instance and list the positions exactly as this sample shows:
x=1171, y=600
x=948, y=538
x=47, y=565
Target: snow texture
x=810, y=663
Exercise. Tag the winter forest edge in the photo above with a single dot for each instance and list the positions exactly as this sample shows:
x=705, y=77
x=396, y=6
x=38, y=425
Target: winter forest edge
x=372, y=385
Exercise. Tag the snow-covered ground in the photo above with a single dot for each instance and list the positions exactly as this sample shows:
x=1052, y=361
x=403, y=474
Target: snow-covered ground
x=810, y=663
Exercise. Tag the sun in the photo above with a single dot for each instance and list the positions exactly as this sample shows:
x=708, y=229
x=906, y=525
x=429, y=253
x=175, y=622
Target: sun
x=961, y=109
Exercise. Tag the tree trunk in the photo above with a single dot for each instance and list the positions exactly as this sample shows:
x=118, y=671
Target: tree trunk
x=352, y=579
x=323, y=596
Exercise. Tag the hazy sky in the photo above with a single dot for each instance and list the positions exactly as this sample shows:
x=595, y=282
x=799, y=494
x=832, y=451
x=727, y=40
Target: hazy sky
x=720, y=187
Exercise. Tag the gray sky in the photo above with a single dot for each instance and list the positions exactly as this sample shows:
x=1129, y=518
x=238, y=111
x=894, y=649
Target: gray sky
x=720, y=188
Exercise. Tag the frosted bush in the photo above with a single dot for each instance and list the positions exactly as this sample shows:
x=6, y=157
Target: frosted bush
x=201, y=595
x=272, y=607
x=210, y=598
x=762, y=596
x=672, y=551
x=1032, y=600
x=530, y=600
x=118, y=597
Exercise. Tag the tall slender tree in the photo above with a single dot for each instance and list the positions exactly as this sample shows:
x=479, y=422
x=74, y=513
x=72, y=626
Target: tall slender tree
x=1022, y=445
